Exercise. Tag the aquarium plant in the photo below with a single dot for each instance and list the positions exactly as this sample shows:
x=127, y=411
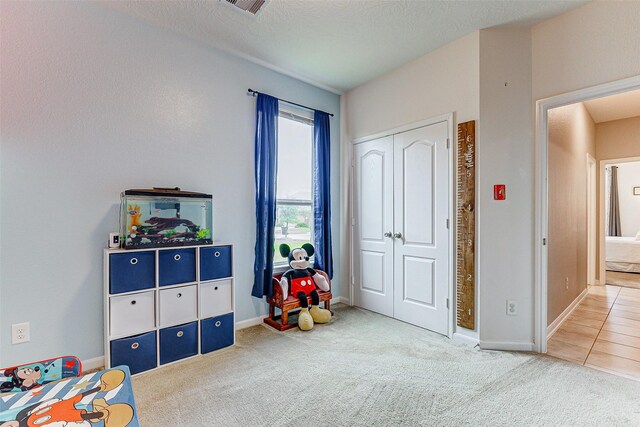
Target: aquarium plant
x=203, y=233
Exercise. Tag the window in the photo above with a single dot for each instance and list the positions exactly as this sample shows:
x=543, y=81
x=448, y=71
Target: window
x=294, y=206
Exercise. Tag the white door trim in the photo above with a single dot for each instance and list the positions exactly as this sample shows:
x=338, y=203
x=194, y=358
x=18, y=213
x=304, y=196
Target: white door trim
x=592, y=215
x=409, y=126
x=541, y=190
x=453, y=144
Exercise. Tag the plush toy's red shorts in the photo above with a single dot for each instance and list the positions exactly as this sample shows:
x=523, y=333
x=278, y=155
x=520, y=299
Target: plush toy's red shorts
x=304, y=284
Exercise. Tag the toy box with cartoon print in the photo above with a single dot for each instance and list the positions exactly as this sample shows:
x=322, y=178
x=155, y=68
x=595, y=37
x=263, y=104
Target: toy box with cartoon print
x=100, y=399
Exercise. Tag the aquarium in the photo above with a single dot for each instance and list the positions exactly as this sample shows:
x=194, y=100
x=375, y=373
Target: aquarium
x=165, y=217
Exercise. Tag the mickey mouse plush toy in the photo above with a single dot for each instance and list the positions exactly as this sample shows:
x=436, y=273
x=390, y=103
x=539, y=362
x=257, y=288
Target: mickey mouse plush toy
x=303, y=280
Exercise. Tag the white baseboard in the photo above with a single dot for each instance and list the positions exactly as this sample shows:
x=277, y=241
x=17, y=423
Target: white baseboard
x=553, y=327
x=465, y=339
x=95, y=363
x=243, y=324
x=505, y=345
x=343, y=300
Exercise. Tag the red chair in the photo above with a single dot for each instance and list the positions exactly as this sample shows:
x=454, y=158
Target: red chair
x=281, y=322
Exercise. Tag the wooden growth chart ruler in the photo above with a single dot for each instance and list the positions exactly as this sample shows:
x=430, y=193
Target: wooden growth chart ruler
x=466, y=225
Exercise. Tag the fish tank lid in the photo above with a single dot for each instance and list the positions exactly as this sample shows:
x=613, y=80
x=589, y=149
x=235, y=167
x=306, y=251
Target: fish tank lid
x=166, y=192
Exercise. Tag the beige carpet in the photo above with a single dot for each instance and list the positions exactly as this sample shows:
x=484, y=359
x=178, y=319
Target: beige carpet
x=627, y=280
x=365, y=369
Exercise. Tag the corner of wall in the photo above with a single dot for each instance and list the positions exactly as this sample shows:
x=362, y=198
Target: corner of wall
x=505, y=156
x=345, y=202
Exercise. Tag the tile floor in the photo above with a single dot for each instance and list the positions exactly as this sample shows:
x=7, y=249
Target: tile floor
x=603, y=332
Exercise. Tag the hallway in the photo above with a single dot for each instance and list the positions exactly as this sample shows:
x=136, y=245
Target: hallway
x=603, y=332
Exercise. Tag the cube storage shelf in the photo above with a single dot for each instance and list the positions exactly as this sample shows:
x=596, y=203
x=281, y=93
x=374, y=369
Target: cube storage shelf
x=166, y=304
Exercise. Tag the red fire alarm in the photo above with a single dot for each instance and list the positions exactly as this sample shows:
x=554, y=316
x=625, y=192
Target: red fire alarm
x=499, y=192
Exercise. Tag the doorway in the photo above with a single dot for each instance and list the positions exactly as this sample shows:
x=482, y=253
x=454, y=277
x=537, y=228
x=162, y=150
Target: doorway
x=402, y=240
x=579, y=317
x=620, y=250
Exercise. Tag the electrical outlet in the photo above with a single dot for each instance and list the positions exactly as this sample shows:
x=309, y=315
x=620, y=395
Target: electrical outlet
x=566, y=283
x=512, y=307
x=20, y=333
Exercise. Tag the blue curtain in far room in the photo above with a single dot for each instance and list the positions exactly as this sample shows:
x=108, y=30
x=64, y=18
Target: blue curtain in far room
x=322, y=193
x=266, y=152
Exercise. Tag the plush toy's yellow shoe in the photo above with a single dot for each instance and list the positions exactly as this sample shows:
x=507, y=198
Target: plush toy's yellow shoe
x=305, y=321
x=320, y=315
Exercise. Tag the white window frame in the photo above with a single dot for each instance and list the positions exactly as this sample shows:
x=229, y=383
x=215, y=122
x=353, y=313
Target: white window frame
x=291, y=112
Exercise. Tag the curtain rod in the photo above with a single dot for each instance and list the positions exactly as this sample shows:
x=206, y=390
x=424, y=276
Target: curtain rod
x=255, y=92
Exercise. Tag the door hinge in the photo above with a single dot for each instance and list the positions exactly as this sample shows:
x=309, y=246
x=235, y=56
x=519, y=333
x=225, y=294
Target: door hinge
x=447, y=223
x=353, y=221
x=448, y=141
x=447, y=302
x=544, y=241
x=353, y=281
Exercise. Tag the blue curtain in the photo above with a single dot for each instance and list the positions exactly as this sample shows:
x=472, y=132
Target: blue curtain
x=322, y=193
x=266, y=152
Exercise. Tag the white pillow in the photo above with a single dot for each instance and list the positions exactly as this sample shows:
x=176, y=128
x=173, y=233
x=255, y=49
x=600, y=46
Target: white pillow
x=638, y=236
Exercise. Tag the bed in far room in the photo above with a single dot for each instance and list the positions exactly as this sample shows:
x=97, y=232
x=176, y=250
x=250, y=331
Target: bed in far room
x=623, y=254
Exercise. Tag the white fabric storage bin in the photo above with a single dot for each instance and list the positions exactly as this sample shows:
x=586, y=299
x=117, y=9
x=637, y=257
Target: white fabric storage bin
x=178, y=305
x=215, y=298
x=132, y=314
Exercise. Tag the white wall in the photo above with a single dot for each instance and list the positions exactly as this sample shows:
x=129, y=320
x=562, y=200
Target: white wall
x=588, y=46
x=629, y=177
x=504, y=157
x=94, y=102
x=345, y=194
x=443, y=81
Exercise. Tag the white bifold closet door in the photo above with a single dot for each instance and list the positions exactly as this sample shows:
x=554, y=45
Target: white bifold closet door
x=401, y=244
x=373, y=209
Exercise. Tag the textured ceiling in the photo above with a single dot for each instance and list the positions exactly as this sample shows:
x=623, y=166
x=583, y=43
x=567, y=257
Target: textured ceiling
x=614, y=107
x=337, y=44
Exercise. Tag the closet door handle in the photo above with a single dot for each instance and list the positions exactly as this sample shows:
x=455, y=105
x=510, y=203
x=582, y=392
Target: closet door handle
x=388, y=234
x=397, y=235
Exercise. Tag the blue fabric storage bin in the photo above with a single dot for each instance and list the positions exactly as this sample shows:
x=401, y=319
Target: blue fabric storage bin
x=178, y=342
x=131, y=271
x=215, y=262
x=177, y=266
x=216, y=333
x=137, y=352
